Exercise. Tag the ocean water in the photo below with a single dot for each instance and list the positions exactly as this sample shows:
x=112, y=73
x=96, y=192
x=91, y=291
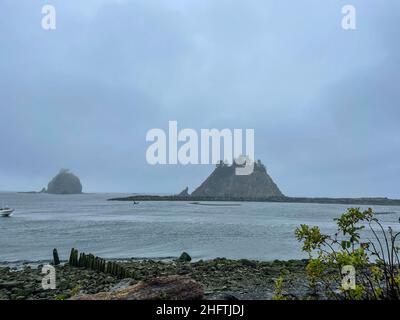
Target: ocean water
x=90, y=223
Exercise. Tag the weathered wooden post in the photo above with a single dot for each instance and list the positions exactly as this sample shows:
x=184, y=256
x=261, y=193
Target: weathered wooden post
x=113, y=268
x=71, y=256
x=83, y=260
x=91, y=262
x=56, y=259
x=80, y=260
x=75, y=258
x=97, y=263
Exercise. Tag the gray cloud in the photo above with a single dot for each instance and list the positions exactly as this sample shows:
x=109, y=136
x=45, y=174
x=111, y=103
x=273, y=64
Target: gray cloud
x=323, y=101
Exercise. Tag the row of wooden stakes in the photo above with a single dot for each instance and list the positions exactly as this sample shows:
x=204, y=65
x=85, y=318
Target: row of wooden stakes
x=89, y=261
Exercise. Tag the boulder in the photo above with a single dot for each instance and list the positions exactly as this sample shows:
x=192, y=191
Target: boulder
x=185, y=257
x=165, y=288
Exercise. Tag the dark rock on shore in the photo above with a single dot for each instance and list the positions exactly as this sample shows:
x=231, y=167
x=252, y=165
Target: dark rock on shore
x=65, y=182
x=185, y=257
x=160, y=288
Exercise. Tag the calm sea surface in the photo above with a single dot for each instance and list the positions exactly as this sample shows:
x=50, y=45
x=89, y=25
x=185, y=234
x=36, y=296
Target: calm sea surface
x=90, y=223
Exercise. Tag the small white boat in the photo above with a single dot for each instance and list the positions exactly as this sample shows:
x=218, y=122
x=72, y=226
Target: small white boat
x=6, y=212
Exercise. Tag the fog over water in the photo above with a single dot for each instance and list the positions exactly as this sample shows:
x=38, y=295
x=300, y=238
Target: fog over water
x=324, y=102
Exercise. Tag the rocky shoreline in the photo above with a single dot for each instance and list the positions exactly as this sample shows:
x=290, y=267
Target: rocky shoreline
x=220, y=279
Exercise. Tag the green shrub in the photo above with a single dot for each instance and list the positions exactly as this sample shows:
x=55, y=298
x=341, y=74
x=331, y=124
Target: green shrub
x=376, y=261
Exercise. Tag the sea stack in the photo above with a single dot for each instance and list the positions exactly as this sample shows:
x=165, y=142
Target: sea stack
x=184, y=193
x=65, y=182
x=224, y=183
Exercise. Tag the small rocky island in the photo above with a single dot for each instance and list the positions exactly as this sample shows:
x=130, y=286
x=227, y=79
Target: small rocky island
x=225, y=183
x=65, y=182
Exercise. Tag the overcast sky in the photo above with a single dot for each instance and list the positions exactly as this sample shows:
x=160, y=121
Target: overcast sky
x=324, y=102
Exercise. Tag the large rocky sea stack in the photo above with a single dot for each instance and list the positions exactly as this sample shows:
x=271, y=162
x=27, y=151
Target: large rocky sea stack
x=65, y=182
x=224, y=183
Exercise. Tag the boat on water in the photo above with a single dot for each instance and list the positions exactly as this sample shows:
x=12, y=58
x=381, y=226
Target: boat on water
x=6, y=212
